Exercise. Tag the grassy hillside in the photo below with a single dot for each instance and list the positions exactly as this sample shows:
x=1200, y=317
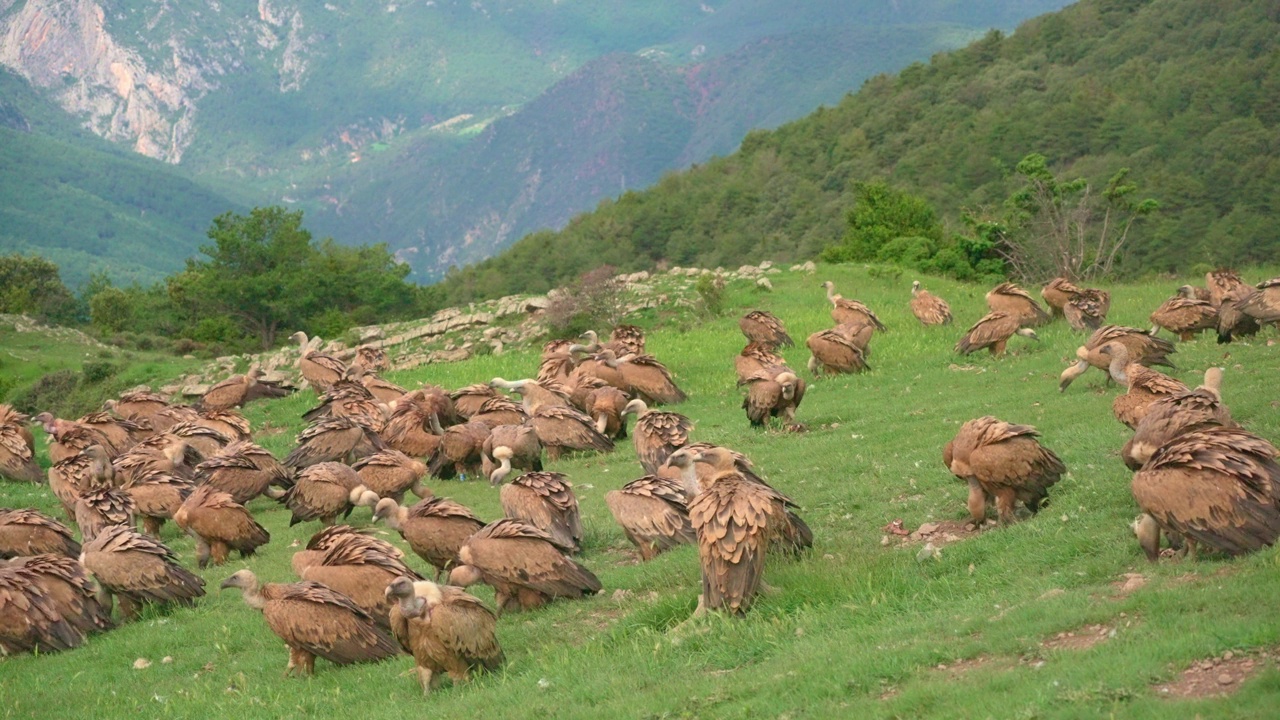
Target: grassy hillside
x=88, y=205
x=855, y=629
x=1183, y=94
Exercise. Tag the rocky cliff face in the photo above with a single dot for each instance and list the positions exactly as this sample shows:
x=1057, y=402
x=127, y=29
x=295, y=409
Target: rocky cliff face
x=64, y=47
x=68, y=49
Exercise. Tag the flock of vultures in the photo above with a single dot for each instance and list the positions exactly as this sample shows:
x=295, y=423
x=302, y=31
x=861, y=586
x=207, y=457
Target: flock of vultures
x=1200, y=479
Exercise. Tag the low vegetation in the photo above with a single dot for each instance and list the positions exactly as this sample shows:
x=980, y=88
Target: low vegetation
x=867, y=625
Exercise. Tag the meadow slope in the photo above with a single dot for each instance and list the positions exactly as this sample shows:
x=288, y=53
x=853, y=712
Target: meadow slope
x=855, y=629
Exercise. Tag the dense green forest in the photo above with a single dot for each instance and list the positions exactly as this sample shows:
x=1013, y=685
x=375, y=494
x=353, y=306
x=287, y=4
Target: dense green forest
x=1185, y=94
x=88, y=205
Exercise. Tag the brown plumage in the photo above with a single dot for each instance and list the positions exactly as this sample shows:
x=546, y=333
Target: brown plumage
x=857, y=333
x=627, y=339
x=326, y=538
x=1003, y=460
x=66, y=584
x=653, y=513
x=220, y=525
x=846, y=311
x=228, y=422
x=1216, y=487
x=361, y=571
x=765, y=329
x=1056, y=293
x=446, y=629
x=86, y=471
x=833, y=352
x=563, y=428
x=391, y=473
x=1014, y=301
x=320, y=370
x=339, y=438
x=30, y=620
x=644, y=377
x=770, y=396
x=240, y=390
x=791, y=534
x=27, y=531
x=156, y=497
x=467, y=401
x=350, y=399
x=371, y=358
x=116, y=434
x=546, y=501
x=1087, y=309
x=535, y=394
x=459, y=451
x=1184, y=315
x=17, y=448
x=656, y=434
x=1222, y=284
x=1145, y=385
x=928, y=308
x=413, y=429
x=203, y=439
x=68, y=438
x=556, y=366
x=992, y=332
x=1263, y=305
x=325, y=490
x=734, y=520
x=1233, y=322
x=581, y=385
x=524, y=565
x=99, y=509
x=380, y=388
x=507, y=447
x=137, y=569
x=435, y=528
x=500, y=411
x=314, y=620
x=1143, y=347
x=604, y=405
x=1173, y=415
x=163, y=452
x=243, y=470
x=754, y=360
x=139, y=405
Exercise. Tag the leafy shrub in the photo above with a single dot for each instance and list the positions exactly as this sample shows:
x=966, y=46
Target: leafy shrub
x=711, y=294
x=885, y=272
x=907, y=251
x=47, y=392
x=95, y=371
x=594, y=301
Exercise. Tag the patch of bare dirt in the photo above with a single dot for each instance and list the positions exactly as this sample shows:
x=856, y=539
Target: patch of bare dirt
x=1216, y=676
x=960, y=668
x=1080, y=639
x=1128, y=584
x=943, y=532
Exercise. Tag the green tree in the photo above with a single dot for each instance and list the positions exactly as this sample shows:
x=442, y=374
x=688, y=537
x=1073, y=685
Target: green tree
x=881, y=214
x=1063, y=227
x=256, y=273
x=33, y=286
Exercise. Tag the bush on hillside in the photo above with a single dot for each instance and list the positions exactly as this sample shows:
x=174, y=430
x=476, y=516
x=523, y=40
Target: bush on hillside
x=594, y=301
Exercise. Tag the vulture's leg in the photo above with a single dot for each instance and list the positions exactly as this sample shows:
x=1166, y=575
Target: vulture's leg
x=425, y=679
x=1005, y=500
x=151, y=525
x=220, y=551
x=202, y=553
x=977, y=502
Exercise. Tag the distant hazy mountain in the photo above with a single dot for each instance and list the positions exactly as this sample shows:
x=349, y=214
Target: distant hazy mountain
x=445, y=128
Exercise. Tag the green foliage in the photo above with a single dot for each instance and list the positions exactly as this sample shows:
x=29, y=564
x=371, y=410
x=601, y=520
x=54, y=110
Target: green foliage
x=264, y=275
x=110, y=310
x=1182, y=93
x=48, y=392
x=1060, y=227
x=880, y=215
x=710, y=289
x=33, y=286
x=593, y=302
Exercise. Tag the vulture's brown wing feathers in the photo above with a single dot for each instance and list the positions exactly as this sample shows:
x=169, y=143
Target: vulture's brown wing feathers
x=732, y=520
x=29, y=618
x=327, y=623
x=1218, y=487
x=30, y=532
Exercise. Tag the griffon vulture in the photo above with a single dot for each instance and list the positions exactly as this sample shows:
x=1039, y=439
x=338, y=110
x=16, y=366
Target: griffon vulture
x=445, y=629
x=1003, y=460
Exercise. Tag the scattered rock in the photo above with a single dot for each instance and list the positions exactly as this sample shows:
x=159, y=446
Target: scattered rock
x=1081, y=639
x=1215, y=676
x=1128, y=583
x=141, y=664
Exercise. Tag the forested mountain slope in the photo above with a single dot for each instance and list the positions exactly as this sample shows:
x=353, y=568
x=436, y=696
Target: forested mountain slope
x=1187, y=94
x=447, y=129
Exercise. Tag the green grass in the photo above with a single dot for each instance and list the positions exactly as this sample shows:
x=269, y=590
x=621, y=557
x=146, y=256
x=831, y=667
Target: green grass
x=850, y=623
